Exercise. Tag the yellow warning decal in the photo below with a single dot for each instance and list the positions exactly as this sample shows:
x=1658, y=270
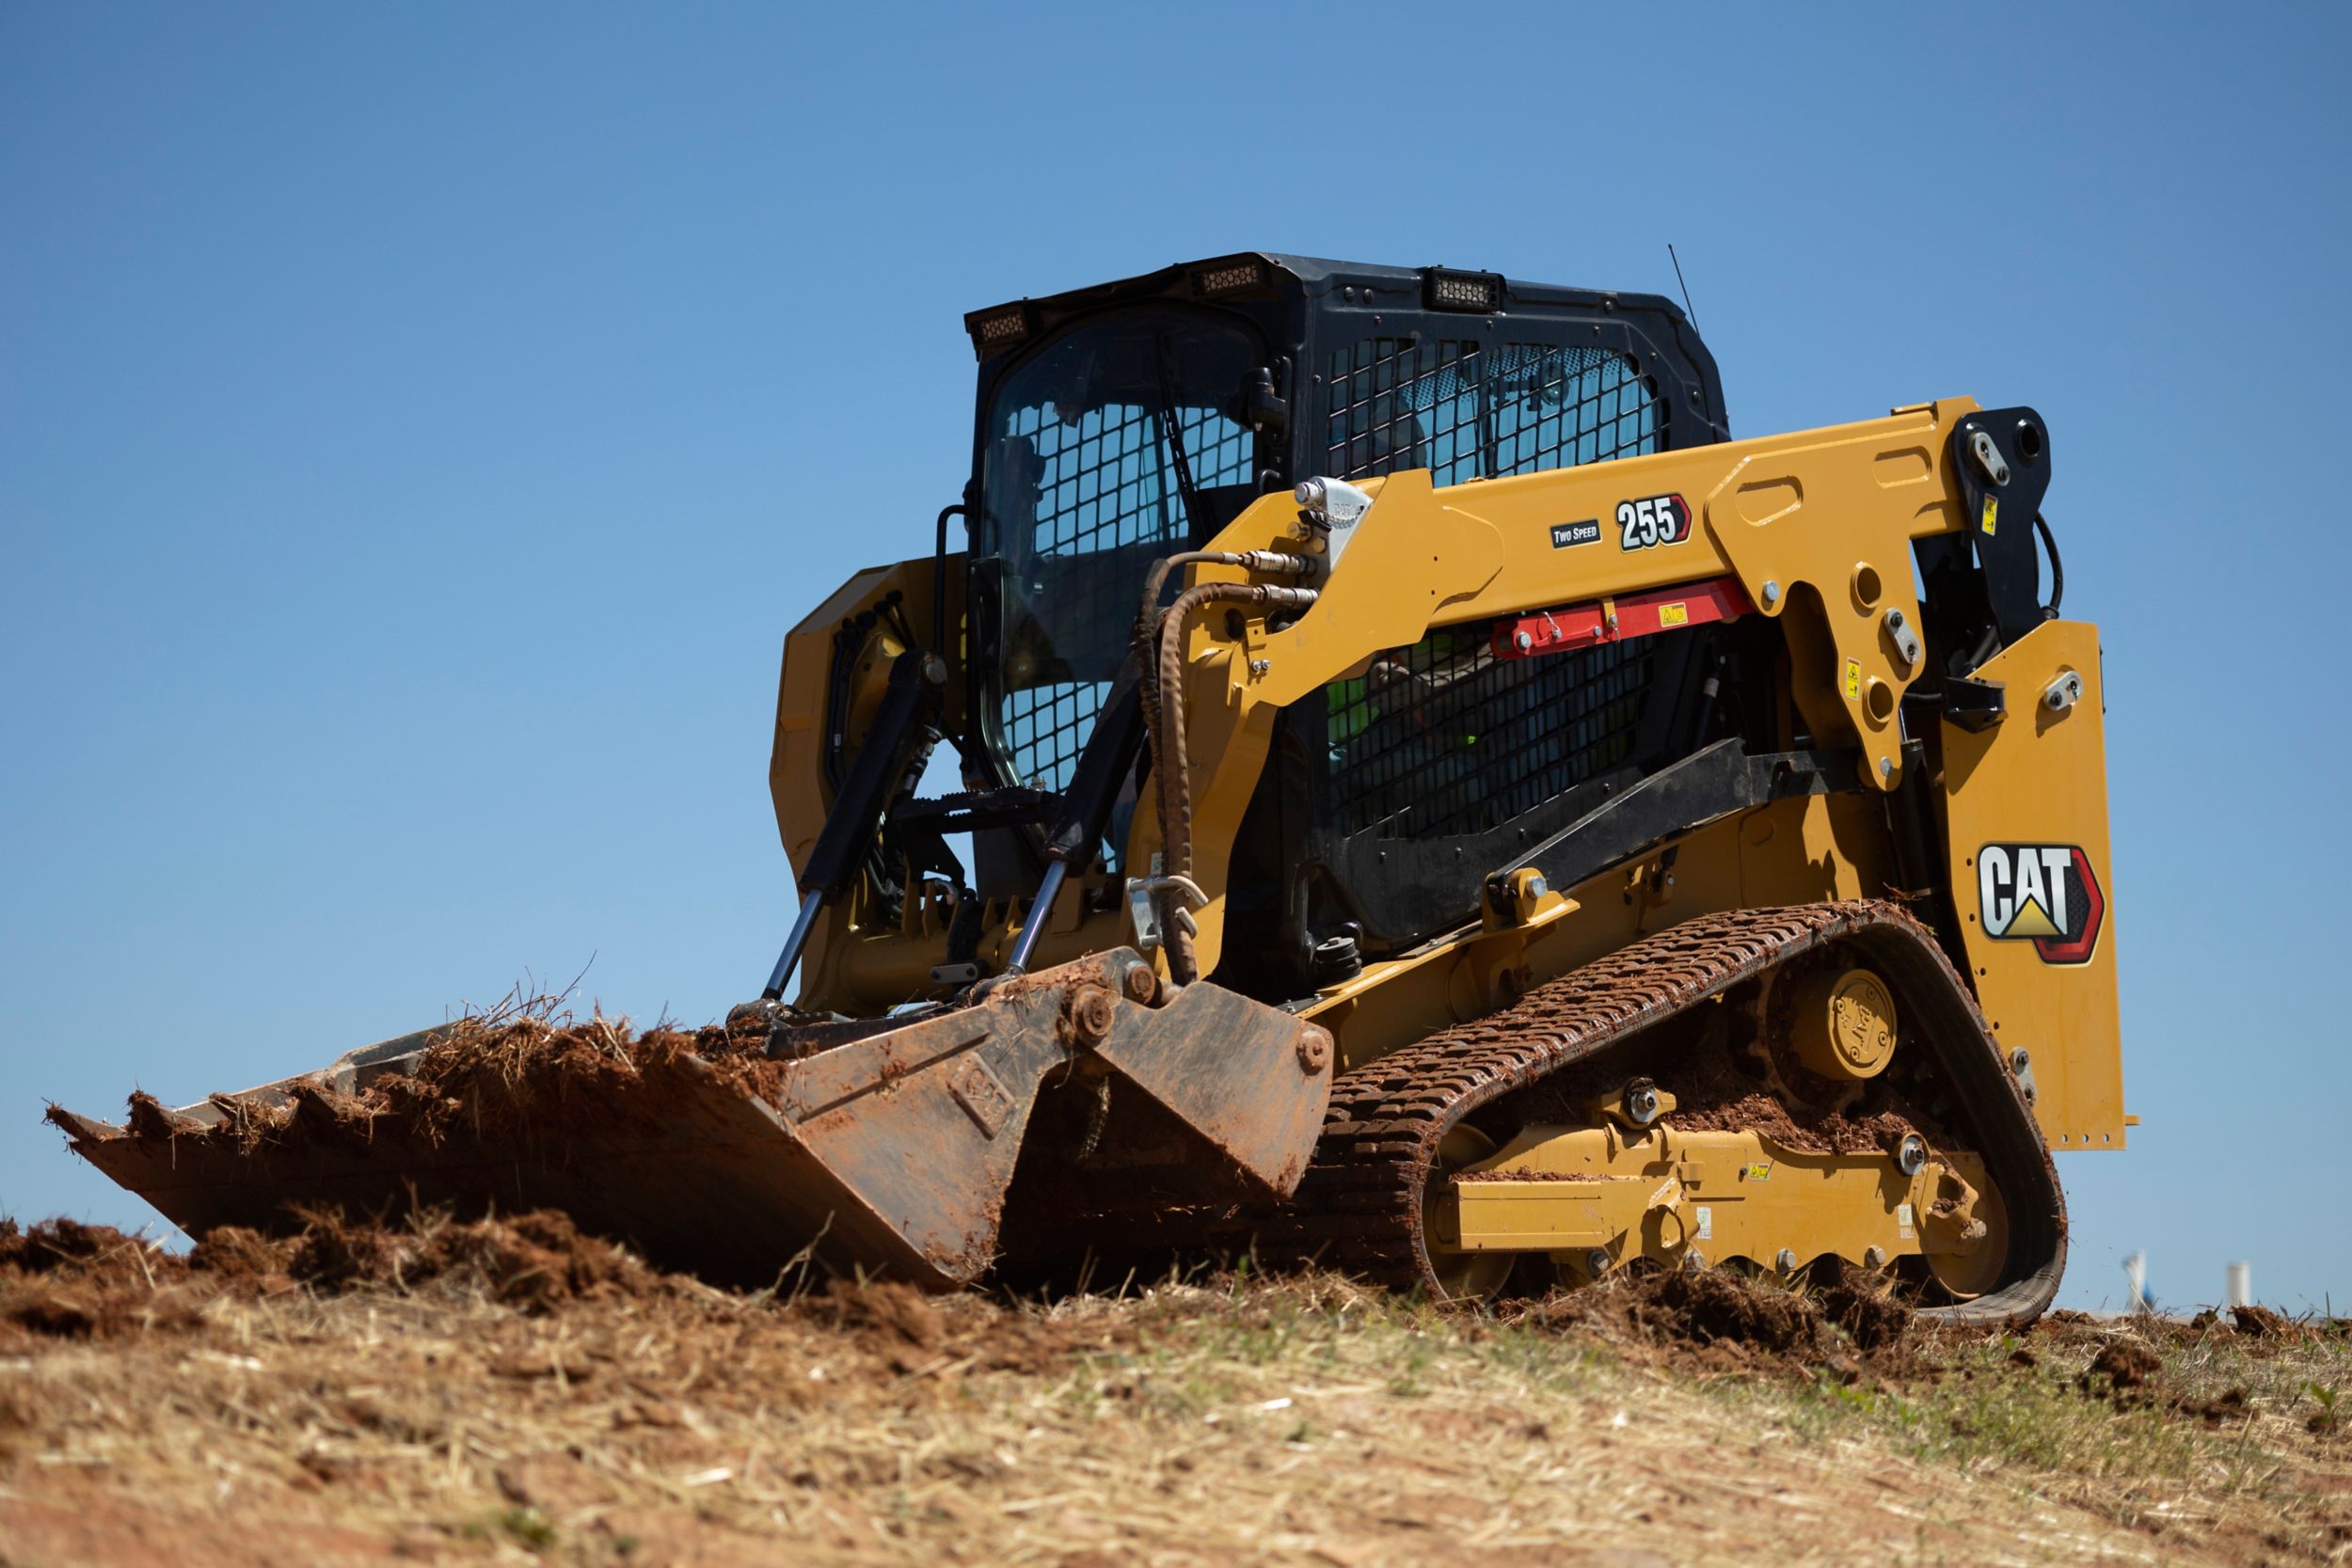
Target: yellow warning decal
x=1992, y=512
x=1756, y=1170
x=1854, y=680
x=1674, y=614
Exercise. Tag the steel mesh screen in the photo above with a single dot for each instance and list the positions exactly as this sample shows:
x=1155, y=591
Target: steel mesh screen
x=1106, y=483
x=1443, y=738
x=1466, y=410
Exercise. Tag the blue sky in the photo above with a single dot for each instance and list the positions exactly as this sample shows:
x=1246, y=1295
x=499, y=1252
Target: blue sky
x=418, y=426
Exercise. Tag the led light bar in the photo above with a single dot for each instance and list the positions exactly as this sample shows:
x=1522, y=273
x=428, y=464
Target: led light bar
x=1461, y=291
x=1227, y=277
x=994, y=331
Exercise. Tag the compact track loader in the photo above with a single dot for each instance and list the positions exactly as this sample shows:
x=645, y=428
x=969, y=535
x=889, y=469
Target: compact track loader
x=1433, y=804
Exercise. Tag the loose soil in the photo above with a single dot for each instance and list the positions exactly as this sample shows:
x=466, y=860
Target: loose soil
x=509, y=1390
x=502, y=1075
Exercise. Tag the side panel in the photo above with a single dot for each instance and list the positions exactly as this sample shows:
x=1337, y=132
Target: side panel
x=796, y=763
x=2027, y=837
x=1800, y=851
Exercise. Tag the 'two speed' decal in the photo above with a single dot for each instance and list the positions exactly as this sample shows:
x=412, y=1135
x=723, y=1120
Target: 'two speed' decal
x=2045, y=893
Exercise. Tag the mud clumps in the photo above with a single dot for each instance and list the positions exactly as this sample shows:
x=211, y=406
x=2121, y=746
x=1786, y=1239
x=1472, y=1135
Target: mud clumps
x=1725, y=1318
x=1874, y=1320
x=2123, y=1371
x=2261, y=1323
x=492, y=1078
x=1707, y=1307
x=536, y=1262
x=60, y=1244
x=240, y=1259
x=63, y=1279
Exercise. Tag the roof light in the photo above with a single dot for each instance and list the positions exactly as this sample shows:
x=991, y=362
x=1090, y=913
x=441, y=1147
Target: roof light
x=1462, y=291
x=994, y=331
x=1227, y=278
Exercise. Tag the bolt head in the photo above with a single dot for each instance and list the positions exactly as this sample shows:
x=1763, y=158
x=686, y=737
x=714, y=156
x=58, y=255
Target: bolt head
x=1874, y=1258
x=1522, y=642
x=1772, y=595
x=1886, y=767
x=1786, y=1261
x=1911, y=1155
x=1092, y=1011
x=1314, y=1049
x=1597, y=1262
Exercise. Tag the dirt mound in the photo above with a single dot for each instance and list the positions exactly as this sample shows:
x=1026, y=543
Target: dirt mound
x=500, y=1075
x=1725, y=1317
x=61, y=1244
x=1706, y=1307
x=536, y=1262
x=242, y=1258
x=1872, y=1315
x=64, y=1279
x=2122, y=1371
x=2261, y=1323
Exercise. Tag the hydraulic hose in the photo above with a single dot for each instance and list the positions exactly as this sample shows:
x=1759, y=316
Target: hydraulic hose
x=2057, y=569
x=1146, y=639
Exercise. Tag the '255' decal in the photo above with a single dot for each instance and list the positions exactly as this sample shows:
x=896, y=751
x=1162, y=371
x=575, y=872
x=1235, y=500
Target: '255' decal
x=1653, y=520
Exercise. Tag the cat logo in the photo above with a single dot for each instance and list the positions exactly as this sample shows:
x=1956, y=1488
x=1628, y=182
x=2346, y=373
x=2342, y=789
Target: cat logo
x=2045, y=893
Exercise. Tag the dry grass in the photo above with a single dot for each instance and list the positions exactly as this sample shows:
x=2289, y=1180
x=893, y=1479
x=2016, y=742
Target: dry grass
x=628, y=1418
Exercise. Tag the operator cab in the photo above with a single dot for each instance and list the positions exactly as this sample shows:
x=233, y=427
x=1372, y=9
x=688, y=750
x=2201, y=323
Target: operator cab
x=1123, y=422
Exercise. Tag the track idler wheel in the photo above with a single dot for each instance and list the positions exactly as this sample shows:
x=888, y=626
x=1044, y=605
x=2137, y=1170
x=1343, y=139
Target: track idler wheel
x=1461, y=1273
x=1964, y=1235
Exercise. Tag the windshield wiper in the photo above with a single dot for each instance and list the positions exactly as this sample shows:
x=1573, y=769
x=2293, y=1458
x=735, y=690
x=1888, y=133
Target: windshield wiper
x=1173, y=430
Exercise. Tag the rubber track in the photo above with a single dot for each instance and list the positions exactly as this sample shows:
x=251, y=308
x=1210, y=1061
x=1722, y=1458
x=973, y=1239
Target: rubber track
x=1358, y=1207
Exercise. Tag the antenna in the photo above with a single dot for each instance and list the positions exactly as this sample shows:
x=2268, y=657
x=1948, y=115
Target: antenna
x=1687, y=308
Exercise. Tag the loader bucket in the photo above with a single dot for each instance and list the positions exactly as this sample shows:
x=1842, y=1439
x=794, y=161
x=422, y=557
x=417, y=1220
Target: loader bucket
x=883, y=1149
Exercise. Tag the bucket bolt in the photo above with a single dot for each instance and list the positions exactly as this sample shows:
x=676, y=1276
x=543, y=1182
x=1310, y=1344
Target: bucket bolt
x=1092, y=1011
